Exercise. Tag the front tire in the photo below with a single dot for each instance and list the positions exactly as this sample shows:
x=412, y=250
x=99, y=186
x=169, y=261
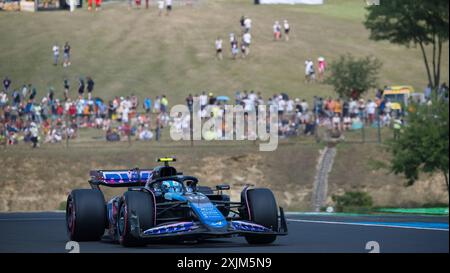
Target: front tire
x=142, y=204
x=261, y=208
x=85, y=215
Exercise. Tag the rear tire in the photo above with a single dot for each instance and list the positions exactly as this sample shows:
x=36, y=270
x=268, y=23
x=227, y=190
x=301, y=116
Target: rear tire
x=85, y=215
x=142, y=204
x=263, y=211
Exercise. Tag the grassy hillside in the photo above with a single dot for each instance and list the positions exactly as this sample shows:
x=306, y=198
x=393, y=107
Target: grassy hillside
x=137, y=51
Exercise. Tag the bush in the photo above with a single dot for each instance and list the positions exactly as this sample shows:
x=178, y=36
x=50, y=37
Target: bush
x=353, y=201
x=351, y=77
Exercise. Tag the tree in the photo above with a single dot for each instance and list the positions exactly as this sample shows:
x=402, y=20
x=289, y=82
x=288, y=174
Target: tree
x=413, y=22
x=422, y=146
x=352, y=77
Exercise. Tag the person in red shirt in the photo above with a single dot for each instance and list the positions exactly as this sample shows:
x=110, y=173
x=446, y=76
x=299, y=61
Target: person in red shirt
x=60, y=110
x=72, y=110
x=98, y=3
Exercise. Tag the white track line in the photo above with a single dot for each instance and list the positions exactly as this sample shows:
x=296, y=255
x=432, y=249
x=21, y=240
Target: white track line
x=362, y=224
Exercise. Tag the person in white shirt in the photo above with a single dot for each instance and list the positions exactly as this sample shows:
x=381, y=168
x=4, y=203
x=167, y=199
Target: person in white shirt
x=203, y=100
x=309, y=65
x=252, y=96
x=157, y=105
x=249, y=105
x=73, y=4
x=347, y=123
x=145, y=134
x=55, y=50
x=219, y=43
x=306, y=67
x=160, y=7
x=276, y=31
x=287, y=29
x=232, y=38
x=247, y=40
x=388, y=107
x=336, y=120
x=290, y=106
x=353, y=106
x=371, y=110
x=3, y=98
x=125, y=113
x=247, y=24
x=304, y=105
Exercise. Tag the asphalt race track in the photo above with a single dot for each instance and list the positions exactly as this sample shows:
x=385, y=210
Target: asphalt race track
x=45, y=232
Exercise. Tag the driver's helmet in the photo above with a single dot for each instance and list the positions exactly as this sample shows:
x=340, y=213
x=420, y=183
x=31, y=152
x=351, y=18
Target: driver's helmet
x=172, y=186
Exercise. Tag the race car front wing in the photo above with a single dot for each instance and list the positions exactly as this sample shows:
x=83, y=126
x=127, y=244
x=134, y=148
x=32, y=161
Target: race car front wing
x=195, y=230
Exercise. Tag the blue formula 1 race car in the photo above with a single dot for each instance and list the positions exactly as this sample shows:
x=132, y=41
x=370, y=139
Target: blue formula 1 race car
x=162, y=203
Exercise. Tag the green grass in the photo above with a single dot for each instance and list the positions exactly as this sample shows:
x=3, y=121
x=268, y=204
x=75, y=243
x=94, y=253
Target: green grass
x=138, y=52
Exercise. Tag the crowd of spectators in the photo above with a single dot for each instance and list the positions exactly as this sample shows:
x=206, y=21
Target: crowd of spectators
x=51, y=120
x=24, y=117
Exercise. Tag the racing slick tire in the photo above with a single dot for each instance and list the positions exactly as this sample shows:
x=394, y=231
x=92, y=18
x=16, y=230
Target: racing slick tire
x=262, y=206
x=142, y=204
x=85, y=215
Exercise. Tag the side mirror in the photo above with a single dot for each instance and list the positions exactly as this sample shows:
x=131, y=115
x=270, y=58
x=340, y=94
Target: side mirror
x=223, y=187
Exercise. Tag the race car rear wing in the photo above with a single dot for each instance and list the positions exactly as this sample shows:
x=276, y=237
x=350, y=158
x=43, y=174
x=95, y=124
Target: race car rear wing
x=120, y=178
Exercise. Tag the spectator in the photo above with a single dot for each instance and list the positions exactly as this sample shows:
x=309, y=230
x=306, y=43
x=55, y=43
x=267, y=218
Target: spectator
x=80, y=86
x=66, y=61
x=338, y=108
x=219, y=48
x=160, y=7
x=164, y=104
x=145, y=134
x=55, y=50
x=242, y=23
x=246, y=41
x=247, y=24
x=72, y=5
x=321, y=67
x=168, y=7
x=347, y=123
x=287, y=29
x=203, y=100
x=90, y=85
x=309, y=71
x=336, y=121
x=157, y=105
x=276, y=31
x=6, y=84
x=66, y=89
x=443, y=91
x=427, y=92
x=34, y=134
x=97, y=5
x=234, y=48
x=147, y=105
x=371, y=111
x=112, y=135
x=190, y=102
